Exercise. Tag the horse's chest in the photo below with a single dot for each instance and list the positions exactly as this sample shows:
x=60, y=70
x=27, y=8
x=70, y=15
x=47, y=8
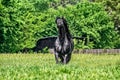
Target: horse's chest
x=63, y=47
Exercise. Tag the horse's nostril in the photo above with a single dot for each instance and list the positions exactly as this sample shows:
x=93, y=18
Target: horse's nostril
x=60, y=25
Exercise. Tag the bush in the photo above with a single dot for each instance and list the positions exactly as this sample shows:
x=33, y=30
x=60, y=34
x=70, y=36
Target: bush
x=23, y=22
x=88, y=20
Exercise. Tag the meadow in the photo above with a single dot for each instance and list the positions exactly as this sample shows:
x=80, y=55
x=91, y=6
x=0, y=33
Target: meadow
x=43, y=67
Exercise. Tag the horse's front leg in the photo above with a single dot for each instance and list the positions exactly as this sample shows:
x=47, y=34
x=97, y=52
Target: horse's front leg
x=67, y=58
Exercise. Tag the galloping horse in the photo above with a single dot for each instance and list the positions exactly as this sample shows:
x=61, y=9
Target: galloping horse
x=64, y=44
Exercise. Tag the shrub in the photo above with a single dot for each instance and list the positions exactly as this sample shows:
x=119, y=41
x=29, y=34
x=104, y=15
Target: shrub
x=23, y=22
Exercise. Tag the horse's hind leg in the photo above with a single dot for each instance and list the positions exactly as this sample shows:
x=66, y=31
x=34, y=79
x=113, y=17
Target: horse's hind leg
x=56, y=58
x=68, y=58
x=62, y=58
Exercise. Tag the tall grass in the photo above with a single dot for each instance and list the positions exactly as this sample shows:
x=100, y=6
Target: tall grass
x=43, y=67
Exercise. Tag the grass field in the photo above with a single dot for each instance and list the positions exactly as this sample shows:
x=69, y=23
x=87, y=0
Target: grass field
x=43, y=67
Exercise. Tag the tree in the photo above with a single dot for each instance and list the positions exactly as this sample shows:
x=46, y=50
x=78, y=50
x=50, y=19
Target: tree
x=113, y=9
x=89, y=20
x=22, y=23
x=14, y=25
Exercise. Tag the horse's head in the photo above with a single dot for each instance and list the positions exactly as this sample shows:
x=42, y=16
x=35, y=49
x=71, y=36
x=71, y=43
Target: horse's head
x=61, y=22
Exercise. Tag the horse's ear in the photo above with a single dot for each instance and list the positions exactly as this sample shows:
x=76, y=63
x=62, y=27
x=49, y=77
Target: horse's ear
x=57, y=19
x=64, y=20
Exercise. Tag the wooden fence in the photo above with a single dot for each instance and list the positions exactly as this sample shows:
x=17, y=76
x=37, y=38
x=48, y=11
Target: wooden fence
x=98, y=51
x=94, y=51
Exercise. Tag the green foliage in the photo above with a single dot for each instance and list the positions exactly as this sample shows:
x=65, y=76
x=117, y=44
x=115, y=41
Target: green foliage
x=23, y=22
x=41, y=5
x=42, y=66
x=12, y=25
x=88, y=19
x=7, y=26
x=113, y=9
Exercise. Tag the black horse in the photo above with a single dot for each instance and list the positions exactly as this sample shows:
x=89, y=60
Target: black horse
x=64, y=44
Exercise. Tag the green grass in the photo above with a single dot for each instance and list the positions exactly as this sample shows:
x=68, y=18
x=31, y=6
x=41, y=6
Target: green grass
x=43, y=67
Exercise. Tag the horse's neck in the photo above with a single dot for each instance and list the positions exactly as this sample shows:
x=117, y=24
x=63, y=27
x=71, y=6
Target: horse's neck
x=64, y=34
x=61, y=33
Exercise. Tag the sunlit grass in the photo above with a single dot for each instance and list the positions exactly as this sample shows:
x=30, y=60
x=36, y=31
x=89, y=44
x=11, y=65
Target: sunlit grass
x=43, y=67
